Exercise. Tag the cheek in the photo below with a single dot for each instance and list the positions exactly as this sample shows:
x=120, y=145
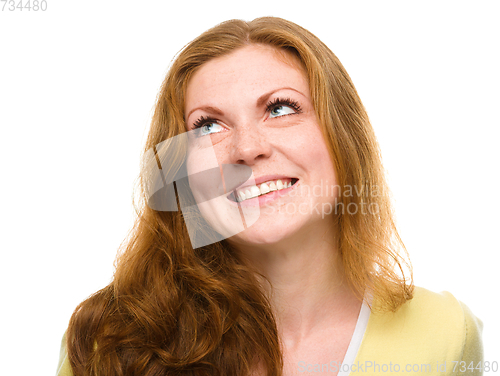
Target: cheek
x=201, y=156
x=203, y=172
x=309, y=146
x=325, y=165
x=314, y=155
x=222, y=152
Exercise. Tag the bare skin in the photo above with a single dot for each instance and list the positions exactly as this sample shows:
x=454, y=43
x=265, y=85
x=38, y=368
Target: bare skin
x=295, y=249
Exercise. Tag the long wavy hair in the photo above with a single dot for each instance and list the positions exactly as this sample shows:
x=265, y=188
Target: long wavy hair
x=175, y=310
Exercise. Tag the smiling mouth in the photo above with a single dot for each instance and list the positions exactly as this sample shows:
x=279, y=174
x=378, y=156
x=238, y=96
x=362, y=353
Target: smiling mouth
x=252, y=191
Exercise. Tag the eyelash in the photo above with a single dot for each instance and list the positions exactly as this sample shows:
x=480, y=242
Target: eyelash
x=283, y=102
x=269, y=107
x=202, y=121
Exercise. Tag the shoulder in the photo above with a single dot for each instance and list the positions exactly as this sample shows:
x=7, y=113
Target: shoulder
x=441, y=312
x=432, y=328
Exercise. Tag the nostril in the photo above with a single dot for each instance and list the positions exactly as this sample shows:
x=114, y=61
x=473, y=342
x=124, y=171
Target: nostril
x=259, y=156
x=248, y=148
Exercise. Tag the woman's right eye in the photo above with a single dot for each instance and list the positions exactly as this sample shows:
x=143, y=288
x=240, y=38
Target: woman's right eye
x=207, y=126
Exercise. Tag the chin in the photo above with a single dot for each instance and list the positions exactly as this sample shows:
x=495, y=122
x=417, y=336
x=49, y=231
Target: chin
x=264, y=234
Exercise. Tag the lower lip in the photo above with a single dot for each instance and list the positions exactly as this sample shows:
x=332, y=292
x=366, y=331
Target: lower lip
x=265, y=199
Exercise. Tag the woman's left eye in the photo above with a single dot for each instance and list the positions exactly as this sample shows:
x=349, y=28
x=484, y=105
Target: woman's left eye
x=281, y=110
x=282, y=107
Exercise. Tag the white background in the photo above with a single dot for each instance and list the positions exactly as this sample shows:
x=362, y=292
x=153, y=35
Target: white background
x=77, y=86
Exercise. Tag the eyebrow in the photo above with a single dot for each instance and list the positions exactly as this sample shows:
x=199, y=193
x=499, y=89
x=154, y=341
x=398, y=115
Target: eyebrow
x=262, y=99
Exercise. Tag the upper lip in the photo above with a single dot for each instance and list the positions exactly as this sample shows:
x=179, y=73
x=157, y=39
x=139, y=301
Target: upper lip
x=262, y=179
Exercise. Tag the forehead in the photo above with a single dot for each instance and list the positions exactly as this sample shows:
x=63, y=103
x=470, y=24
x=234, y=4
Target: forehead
x=244, y=74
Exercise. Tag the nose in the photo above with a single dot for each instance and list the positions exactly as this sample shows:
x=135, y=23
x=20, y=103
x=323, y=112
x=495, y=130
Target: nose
x=249, y=145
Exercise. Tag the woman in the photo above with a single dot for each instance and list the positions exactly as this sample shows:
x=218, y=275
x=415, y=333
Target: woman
x=295, y=264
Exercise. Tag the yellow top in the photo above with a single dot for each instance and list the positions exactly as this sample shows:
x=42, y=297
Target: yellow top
x=432, y=334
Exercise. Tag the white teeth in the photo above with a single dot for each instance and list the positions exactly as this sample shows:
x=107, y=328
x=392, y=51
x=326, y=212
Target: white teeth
x=254, y=191
x=241, y=196
x=264, y=188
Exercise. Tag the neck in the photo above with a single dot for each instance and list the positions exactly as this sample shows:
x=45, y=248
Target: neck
x=306, y=284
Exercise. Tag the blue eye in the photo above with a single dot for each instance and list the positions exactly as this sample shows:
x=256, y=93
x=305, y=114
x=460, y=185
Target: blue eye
x=209, y=128
x=281, y=107
x=205, y=126
x=280, y=111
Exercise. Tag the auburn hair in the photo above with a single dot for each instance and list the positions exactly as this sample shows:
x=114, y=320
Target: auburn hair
x=174, y=310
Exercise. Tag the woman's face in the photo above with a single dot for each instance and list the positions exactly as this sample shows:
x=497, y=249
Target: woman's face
x=253, y=108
